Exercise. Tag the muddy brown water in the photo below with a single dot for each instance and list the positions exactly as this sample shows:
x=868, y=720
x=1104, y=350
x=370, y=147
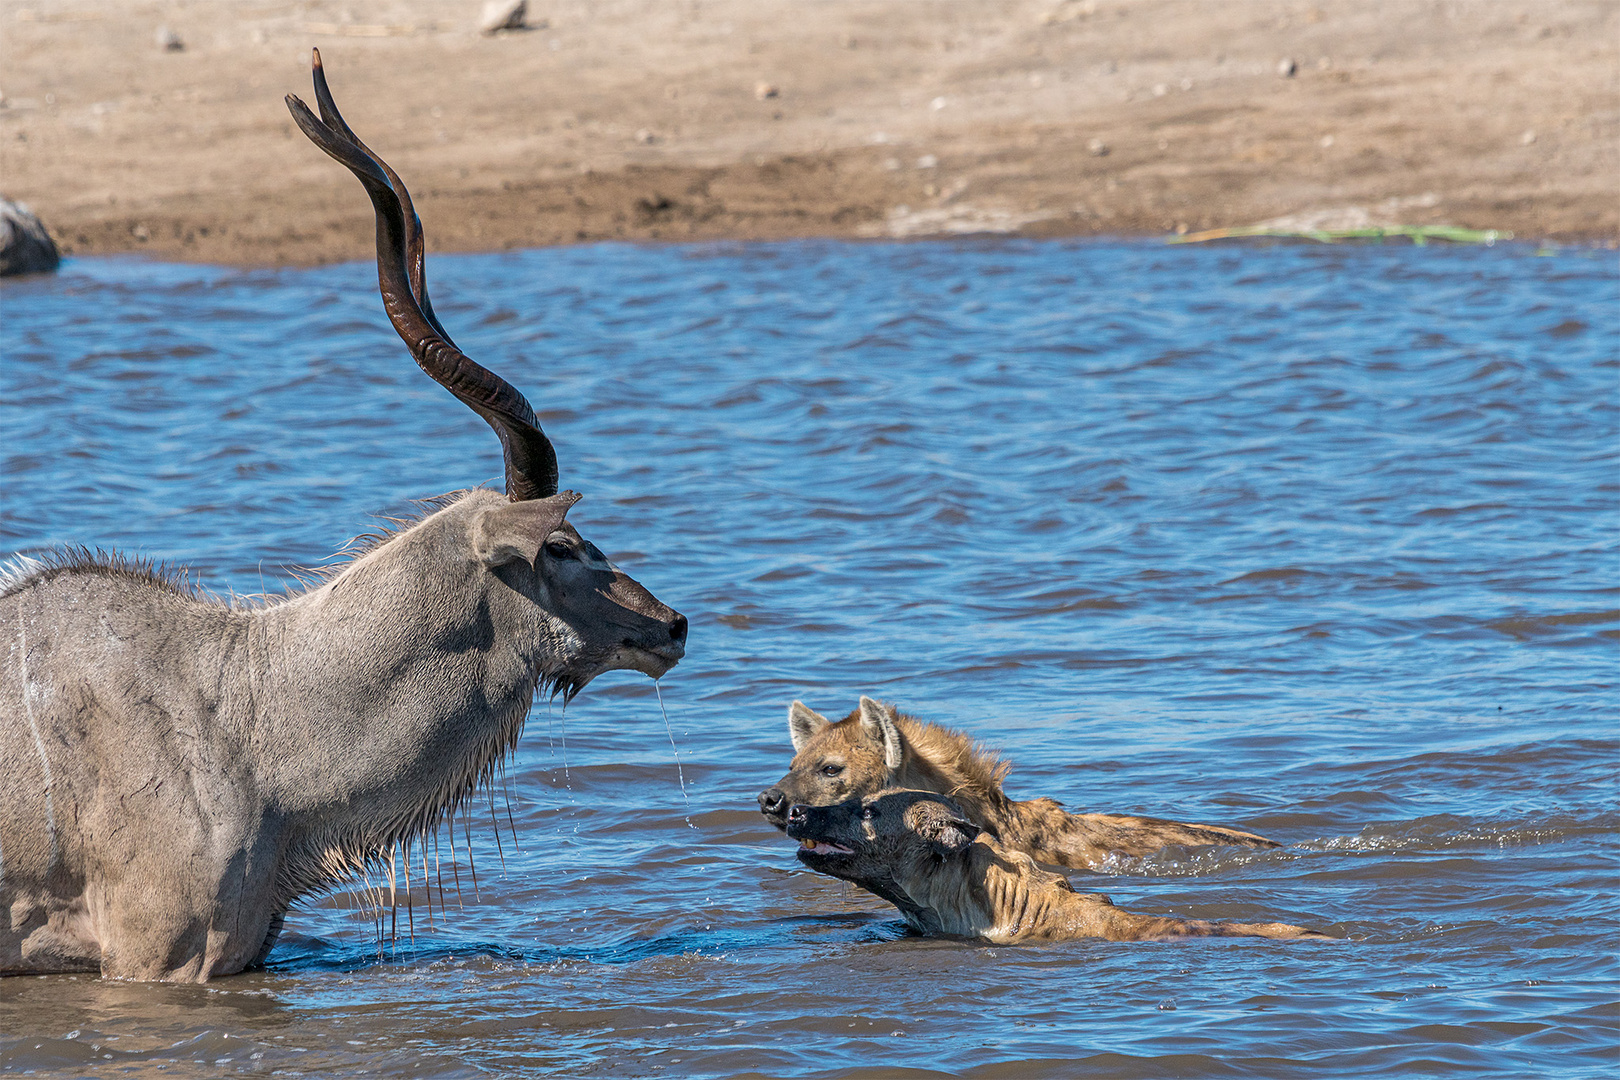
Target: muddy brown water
x=1317, y=541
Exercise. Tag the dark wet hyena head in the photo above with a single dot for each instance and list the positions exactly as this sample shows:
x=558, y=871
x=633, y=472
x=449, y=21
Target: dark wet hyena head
x=877, y=840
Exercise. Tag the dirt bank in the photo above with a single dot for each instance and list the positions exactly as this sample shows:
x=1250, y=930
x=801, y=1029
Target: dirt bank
x=658, y=119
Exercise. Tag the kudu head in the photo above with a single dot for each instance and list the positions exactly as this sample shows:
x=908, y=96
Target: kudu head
x=606, y=619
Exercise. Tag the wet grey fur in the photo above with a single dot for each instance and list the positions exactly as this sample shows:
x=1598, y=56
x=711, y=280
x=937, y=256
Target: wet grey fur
x=175, y=772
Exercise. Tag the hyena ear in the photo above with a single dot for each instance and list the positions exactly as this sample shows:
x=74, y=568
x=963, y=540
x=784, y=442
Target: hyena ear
x=948, y=834
x=513, y=532
x=879, y=723
x=803, y=723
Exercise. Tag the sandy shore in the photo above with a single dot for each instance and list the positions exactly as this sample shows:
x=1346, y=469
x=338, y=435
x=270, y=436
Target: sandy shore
x=687, y=119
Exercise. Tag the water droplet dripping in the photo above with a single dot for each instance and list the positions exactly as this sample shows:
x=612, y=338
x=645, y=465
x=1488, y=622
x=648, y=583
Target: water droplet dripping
x=680, y=773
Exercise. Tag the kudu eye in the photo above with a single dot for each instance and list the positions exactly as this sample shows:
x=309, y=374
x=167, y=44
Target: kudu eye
x=868, y=813
x=559, y=549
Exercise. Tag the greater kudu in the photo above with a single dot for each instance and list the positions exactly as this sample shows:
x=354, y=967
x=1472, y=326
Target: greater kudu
x=178, y=771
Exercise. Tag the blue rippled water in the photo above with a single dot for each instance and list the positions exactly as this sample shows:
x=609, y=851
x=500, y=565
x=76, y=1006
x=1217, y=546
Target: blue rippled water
x=1318, y=541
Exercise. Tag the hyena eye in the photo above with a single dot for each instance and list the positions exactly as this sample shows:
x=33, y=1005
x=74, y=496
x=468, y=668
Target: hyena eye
x=831, y=770
x=868, y=813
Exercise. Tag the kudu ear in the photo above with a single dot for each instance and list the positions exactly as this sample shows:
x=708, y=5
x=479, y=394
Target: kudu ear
x=803, y=723
x=949, y=835
x=513, y=532
x=879, y=722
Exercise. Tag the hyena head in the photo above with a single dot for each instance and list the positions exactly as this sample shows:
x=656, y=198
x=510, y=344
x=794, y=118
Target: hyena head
x=859, y=755
x=898, y=844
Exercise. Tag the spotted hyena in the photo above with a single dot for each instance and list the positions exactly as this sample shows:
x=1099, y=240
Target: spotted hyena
x=875, y=747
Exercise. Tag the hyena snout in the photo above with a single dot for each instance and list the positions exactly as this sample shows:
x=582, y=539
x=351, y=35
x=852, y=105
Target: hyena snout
x=773, y=804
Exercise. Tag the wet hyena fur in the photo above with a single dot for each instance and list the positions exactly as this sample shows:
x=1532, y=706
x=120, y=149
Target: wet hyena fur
x=876, y=747
x=921, y=853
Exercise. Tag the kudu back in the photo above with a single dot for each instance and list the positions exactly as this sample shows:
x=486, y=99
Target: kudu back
x=177, y=770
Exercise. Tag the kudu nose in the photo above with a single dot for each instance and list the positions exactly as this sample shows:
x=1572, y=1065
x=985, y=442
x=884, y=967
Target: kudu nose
x=677, y=630
x=797, y=814
x=772, y=801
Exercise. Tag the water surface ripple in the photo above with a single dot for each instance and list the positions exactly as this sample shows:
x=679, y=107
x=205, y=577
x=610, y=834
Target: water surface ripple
x=1320, y=542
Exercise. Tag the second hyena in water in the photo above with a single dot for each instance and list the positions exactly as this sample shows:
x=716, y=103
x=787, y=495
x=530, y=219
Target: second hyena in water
x=876, y=747
x=917, y=851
